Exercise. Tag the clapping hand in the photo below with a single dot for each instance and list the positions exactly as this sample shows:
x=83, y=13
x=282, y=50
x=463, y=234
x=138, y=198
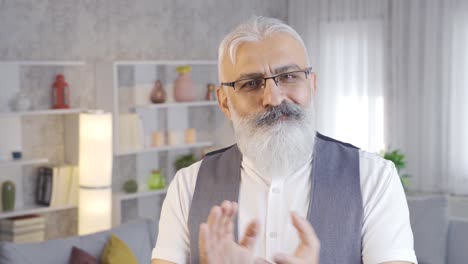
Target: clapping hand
x=217, y=245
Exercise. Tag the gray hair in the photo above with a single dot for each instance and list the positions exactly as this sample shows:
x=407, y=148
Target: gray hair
x=254, y=29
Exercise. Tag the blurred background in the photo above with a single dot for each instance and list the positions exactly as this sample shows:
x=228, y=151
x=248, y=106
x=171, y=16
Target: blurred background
x=392, y=79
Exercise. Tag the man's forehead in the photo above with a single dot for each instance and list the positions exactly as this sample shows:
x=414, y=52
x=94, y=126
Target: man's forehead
x=274, y=54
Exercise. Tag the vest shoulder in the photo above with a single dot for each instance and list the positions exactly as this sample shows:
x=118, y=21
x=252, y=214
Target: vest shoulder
x=334, y=141
x=219, y=151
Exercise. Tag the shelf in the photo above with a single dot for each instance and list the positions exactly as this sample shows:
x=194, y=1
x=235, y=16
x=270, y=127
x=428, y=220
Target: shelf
x=45, y=63
x=22, y=162
x=167, y=62
x=170, y=105
x=165, y=148
x=43, y=112
x=36, y=209
x=127, y=196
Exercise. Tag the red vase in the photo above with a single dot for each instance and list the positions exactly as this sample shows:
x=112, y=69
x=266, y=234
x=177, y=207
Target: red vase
x=61, y=93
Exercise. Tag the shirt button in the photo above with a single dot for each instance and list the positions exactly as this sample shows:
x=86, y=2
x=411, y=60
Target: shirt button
x=273, y=235
x=276, y=190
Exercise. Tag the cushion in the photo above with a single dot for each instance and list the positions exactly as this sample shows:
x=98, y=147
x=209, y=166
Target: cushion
x=429, y=222
x=135, y=234
x=117, y=252
x=79, y=256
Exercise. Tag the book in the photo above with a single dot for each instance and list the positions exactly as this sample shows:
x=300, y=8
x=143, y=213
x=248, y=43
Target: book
x=37, y=236
x=21, y=221
x=65, y=186
x=44, y=185
x=23, y=229
x=73, y=186
x=130, y=132
x=56, y=182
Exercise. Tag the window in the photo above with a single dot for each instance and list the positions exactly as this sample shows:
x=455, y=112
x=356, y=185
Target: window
x=350, y=105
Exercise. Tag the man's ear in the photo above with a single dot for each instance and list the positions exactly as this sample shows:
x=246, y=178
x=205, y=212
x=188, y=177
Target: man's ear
x=313, y=78
x=223, y=102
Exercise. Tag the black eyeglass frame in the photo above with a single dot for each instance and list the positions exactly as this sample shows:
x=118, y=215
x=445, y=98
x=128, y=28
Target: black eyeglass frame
x=307, y=72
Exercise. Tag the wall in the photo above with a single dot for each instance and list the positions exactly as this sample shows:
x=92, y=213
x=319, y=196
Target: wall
x=99, y=32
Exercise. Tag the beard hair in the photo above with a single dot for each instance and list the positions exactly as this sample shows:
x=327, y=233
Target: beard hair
x=276, y=147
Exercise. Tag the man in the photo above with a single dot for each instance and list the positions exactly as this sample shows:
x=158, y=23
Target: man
x=290, y=195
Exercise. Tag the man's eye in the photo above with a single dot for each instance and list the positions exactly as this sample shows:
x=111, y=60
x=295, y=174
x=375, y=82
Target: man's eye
x=251, y=84
x=288, y=76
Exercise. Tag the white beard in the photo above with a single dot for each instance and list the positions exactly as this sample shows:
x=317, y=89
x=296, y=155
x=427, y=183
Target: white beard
x=278, y=149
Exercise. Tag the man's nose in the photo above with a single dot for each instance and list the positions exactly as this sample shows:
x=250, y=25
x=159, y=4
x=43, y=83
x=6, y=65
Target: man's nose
x=272, y=94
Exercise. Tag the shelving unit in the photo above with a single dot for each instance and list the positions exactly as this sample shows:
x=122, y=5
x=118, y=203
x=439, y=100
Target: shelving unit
x=14, y=135
x=166, y=148
x=128, y=196
x=133, y=81
x=165, y=62
x=172, y=105
x=34, y=210
x=42, y=112
x=45, y=63
x=22, y=162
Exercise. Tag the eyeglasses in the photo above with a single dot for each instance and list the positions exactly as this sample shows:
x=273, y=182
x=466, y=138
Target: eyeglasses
x=288, y=80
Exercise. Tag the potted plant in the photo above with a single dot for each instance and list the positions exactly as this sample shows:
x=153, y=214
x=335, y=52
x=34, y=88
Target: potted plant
x=185, y=161
x=399, y=159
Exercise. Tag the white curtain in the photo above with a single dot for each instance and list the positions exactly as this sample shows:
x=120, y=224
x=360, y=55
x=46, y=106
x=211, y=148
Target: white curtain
x=346, y=44
x=393, y=74
x=457, y=101
x=350, y=82
x=427, y=97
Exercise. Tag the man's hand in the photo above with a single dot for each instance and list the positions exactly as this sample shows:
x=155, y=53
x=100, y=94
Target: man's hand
x=217, y=245
x=308, y=251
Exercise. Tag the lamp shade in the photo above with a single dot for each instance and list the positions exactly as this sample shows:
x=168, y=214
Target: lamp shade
x=95, y=153
x=95, y=210
x=95, y=160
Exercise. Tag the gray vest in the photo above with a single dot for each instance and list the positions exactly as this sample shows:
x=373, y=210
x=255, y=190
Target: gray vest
x=335, y=208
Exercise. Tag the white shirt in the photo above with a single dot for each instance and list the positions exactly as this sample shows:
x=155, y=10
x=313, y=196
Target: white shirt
x=386, y=231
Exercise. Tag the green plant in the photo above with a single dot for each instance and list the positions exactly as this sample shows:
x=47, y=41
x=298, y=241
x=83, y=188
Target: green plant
x=130, y=186
x=399, y=159
x=185, y=161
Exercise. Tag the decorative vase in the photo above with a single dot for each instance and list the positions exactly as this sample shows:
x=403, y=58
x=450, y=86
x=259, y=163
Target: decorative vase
x=183, y=85
x=8, y=196
x=61, y=93
x=158, y=94
x=156, y=181
x=210, y=92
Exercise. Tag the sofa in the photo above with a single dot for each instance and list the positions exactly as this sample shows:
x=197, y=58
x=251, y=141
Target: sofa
x=438, y=238
x=139, y=235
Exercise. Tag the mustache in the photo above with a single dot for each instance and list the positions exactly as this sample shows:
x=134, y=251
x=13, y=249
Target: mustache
x=273, y=113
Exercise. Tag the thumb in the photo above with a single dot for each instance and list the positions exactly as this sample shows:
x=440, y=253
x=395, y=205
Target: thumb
x=250, y=235
x=305, y=231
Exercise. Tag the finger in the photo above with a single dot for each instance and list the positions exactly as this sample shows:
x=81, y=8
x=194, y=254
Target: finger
x=204, y=241
x=250, y=235
x=235, y=208
x=213, y=217
x=213, y=221
x=225, y=221
x=305, y=230
x=286, y=259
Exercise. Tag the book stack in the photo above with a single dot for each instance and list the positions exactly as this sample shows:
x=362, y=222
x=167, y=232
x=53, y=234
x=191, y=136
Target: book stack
x=23, y=229
x=130, y=132
x=57, y=186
